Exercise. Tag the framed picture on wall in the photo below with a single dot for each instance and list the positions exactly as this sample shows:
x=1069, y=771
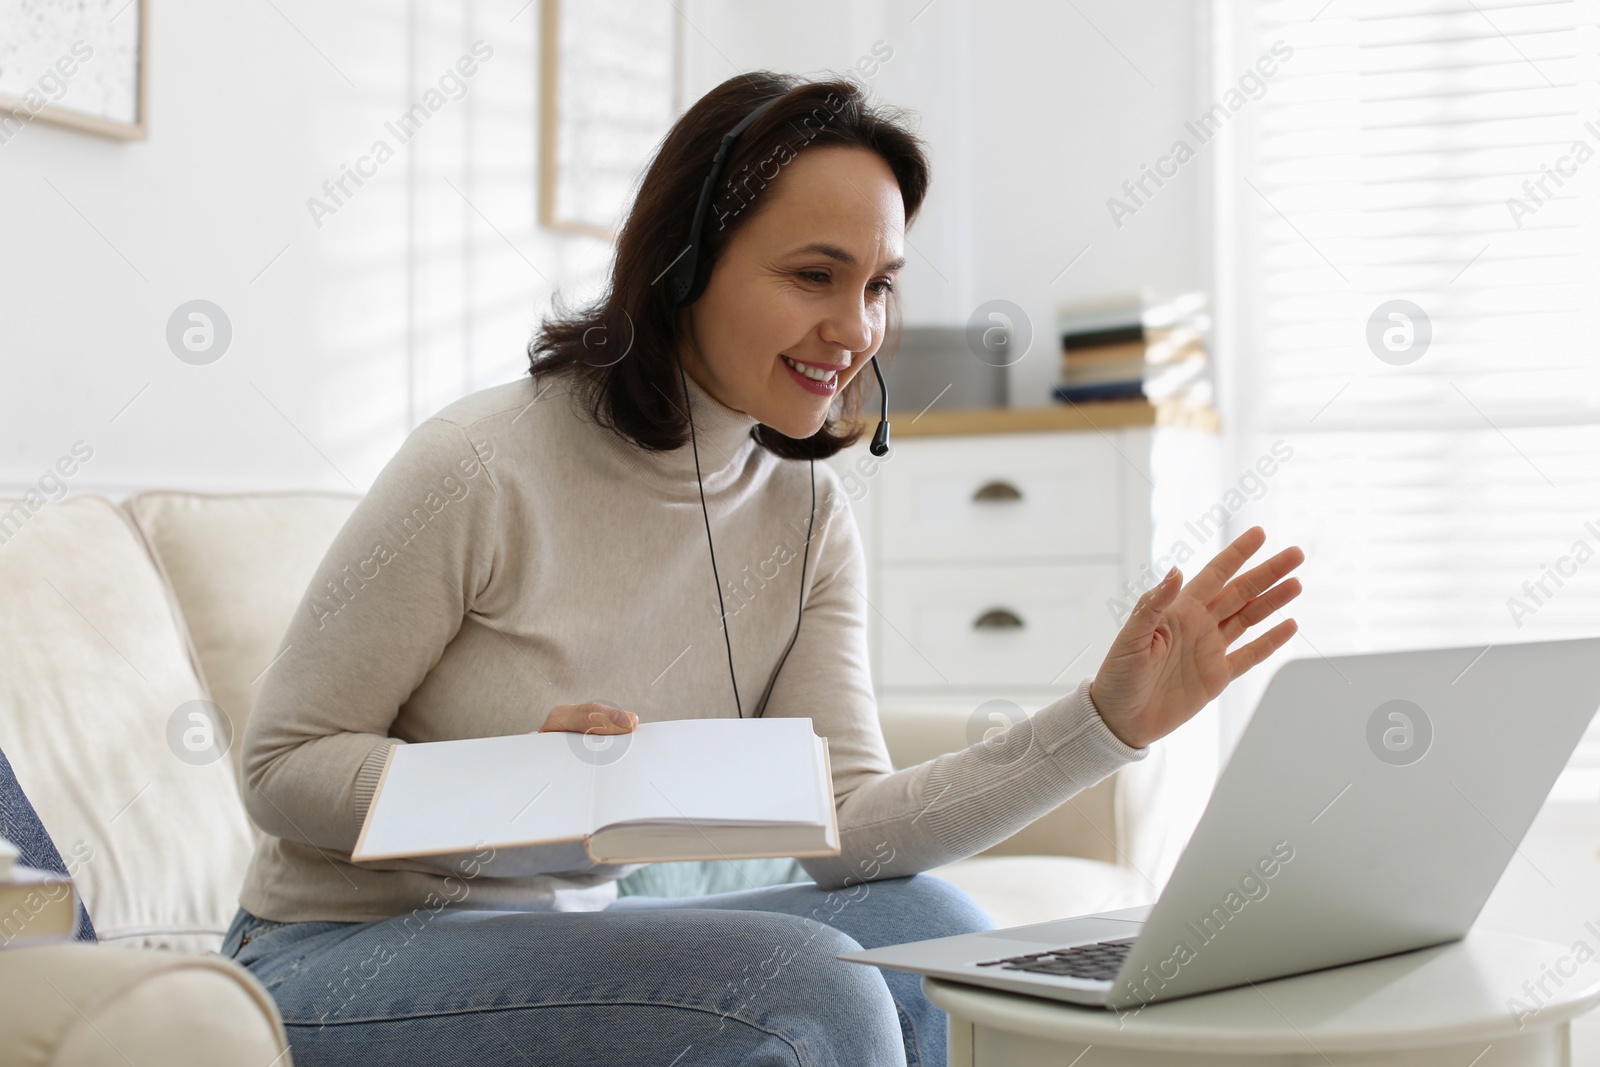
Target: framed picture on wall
x=79, y=63
x=608, y=92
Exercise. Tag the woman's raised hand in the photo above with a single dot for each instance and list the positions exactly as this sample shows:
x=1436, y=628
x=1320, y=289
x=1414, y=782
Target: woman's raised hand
x=1171, y=657
x=591, y=717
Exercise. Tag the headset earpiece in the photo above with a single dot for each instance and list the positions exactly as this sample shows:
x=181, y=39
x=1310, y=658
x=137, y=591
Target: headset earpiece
x=689, y=273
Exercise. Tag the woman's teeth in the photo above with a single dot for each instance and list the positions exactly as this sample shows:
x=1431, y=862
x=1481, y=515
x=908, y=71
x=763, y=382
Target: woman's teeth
x=811, y=372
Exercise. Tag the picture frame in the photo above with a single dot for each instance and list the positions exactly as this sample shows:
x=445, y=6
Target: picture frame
x=84, y=64
x=602, y=111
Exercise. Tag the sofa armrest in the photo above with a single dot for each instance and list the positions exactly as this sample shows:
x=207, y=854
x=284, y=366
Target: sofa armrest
x=1159, y=799
x=82, y=1005
x=1085, y=826
x=1140, y=818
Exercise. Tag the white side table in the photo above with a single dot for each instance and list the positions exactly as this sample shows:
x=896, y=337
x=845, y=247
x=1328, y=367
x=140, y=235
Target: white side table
x=1458, y=1005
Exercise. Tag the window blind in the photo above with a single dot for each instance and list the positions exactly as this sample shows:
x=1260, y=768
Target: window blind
x=1444, y=475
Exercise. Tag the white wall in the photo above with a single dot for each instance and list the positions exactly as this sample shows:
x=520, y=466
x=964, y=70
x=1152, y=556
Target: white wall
x=402, y=300
x=1034, y=115
x=1061, y=120
x=408, y=297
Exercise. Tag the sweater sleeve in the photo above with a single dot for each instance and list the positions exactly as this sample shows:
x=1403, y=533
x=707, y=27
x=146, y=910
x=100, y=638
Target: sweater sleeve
x=389, y=595
x=894, y=823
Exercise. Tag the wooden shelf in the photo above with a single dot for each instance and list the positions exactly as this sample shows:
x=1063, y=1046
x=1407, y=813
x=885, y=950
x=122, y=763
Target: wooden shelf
x=1101, y=415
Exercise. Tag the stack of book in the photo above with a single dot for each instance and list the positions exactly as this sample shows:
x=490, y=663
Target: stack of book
x=1124, y=348
x=36, y=906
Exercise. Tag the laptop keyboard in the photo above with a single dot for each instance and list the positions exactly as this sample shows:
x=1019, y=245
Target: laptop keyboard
x=1098, y=962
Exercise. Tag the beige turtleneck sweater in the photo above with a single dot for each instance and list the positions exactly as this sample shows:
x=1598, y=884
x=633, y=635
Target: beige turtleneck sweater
x=513, y=556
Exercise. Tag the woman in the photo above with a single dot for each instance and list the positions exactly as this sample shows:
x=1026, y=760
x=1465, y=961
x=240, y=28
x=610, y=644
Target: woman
x=542, y=544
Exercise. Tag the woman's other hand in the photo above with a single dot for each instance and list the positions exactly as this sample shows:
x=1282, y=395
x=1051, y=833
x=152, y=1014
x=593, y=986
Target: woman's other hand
x=591, y=717
x=1171, y=657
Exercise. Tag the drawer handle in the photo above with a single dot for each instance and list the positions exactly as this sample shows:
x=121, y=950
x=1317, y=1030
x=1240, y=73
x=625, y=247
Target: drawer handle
x=993, y=491
x=998, y=619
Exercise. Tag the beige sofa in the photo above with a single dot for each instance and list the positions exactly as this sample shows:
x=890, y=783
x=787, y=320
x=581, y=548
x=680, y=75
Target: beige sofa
x=116, y=615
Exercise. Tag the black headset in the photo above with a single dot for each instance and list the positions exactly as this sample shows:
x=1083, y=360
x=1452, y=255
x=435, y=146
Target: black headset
x=686, y=279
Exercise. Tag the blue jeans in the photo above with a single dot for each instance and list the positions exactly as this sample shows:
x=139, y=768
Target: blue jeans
x=747, y=977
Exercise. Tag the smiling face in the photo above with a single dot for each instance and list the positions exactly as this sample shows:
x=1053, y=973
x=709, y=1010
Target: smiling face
x=804, y=282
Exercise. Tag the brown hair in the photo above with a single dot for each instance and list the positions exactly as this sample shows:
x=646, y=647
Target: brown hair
x=637, y=393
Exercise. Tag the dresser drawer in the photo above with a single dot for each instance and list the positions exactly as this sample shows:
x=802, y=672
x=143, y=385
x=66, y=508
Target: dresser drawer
x=1016, y=495
x=1002, y=625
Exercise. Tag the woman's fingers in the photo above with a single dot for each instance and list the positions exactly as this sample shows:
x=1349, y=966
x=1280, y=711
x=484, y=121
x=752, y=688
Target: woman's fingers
x=1208, y=583
x=589, y=718
x=1258, y=608
x=1247, y=656
x=1247, y=586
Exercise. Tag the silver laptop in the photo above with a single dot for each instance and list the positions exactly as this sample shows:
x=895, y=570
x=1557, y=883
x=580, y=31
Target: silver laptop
x=1369, y=808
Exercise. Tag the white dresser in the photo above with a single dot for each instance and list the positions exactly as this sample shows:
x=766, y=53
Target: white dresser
x=998, y=546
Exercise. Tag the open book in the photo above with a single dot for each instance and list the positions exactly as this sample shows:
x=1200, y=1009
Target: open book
x=686, y=789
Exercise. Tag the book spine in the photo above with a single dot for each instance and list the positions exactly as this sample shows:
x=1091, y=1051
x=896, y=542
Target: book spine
x=1125, y=390
x=1101, y=375
x=1110, y=335
x=1127, y=350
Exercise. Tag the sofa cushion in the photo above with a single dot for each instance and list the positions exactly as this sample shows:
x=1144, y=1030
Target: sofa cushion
x=238, y=564
x=97, y=685
x=700, y=878
x=20, y=825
